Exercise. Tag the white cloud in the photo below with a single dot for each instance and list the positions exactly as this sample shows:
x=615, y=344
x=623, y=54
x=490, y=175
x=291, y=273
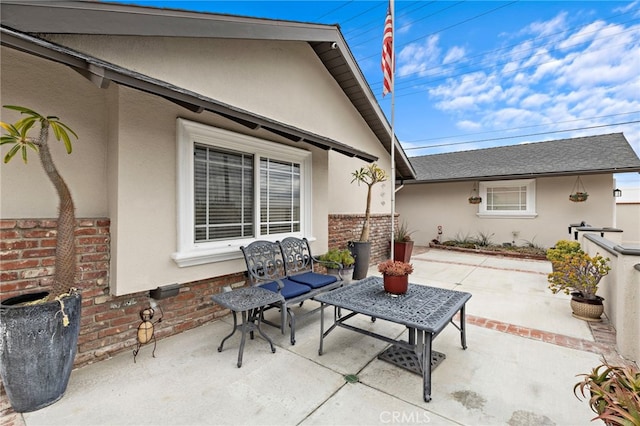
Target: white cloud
x=546, y=28
x=420, y=59
x=536, y=100
x=556, y=79
x=468, y=125
x=587, y=33
x=454, y=54
x=457, y=103
x=627, y=8
x=512, y=117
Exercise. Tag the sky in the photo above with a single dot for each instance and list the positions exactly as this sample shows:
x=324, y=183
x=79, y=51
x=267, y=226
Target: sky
x=479, y=74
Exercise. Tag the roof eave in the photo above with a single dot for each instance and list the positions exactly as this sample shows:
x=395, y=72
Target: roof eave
x=101, y=73
x=526, y=175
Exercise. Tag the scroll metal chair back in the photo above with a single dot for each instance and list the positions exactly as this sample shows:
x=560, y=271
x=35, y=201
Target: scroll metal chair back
x=264, y=262
x=297, y=255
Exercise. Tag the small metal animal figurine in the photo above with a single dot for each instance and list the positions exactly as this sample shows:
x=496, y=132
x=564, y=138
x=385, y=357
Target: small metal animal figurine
x=146, y=331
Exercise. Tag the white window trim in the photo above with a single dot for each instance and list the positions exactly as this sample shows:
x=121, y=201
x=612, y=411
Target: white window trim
x=530, y=213
x=190, y=253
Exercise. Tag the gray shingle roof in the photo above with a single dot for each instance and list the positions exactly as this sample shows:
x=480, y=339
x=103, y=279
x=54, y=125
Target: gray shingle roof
x=609, y=153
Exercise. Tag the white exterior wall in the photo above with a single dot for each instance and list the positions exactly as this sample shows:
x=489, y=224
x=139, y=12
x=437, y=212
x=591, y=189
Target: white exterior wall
x=425, y=206
x=124, y=165
x=284, y=81
x=628, y=219
x=54, y=89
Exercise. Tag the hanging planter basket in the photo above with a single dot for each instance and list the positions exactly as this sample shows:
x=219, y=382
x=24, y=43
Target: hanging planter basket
x=578, y=197
x=578, y=194
x=474, y=198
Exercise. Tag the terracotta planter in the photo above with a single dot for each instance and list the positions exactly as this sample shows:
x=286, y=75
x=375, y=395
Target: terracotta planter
x=396, y=284
x=402, y=251
x=587, y=309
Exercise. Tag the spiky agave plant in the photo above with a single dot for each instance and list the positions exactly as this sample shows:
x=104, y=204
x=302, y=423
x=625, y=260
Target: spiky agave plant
x=18, y=136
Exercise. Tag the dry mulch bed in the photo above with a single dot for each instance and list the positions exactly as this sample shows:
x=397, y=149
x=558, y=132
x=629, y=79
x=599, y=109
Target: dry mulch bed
x=515, y=252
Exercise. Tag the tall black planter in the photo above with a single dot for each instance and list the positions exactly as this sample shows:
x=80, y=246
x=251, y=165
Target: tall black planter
x=361, y=251
x=37, y=352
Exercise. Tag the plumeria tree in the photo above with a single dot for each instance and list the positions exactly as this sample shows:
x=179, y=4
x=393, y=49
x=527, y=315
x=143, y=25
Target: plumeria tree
x=369, y=175
x=17, y=135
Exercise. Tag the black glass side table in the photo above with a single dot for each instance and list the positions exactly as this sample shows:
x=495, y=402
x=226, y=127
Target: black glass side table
x=250, y=301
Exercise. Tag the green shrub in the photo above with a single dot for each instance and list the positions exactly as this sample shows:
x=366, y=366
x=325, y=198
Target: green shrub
x=578, y=272
x=334, y=258
x=561, y=249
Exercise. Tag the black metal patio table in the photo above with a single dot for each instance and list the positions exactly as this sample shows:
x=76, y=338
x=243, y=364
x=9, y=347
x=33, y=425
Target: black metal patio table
x=250, y=301
x=424, y=310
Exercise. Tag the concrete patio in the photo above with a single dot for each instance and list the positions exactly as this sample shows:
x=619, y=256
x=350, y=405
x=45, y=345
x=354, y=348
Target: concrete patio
x=524, y=352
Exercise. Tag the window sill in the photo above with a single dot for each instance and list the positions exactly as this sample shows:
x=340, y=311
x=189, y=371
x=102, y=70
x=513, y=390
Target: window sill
x=507, y=215
x=203, y=256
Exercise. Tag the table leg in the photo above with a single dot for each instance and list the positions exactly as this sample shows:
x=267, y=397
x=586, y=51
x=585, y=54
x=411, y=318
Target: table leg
x=426, y=365
x=245, y=327
x=463, y=328
x=412, y=335
x=235, y=326
x=322, y=305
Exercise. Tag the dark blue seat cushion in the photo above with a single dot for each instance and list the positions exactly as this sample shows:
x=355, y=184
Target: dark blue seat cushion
x=291, y=288
x=313, y=279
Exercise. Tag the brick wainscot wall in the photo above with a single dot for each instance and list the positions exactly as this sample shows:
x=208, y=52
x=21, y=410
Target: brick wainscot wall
x=109, y=323
x=344, y=228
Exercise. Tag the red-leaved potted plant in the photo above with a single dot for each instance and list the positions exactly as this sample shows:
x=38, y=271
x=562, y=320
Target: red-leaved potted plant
x=395, y=275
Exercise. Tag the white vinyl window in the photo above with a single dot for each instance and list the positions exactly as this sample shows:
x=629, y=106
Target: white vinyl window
x=234, y=189
x=508, y=198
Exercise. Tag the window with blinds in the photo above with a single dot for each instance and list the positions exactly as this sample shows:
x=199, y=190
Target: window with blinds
x=223, y=194
x=234, y=189
x=508, y=198
x=279, y=197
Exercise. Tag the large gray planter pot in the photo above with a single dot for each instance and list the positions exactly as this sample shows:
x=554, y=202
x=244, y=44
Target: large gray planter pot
x=37, y=351
x=361, y=251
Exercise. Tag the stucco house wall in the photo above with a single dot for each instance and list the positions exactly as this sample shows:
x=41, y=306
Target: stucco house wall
x=124, y=164
x=426, y=206
x=628, y=219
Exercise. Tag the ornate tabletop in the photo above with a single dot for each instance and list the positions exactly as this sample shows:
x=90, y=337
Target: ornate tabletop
x=246, y=298
x=422, y=307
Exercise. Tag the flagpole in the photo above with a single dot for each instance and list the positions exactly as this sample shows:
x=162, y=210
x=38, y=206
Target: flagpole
x=393, y=144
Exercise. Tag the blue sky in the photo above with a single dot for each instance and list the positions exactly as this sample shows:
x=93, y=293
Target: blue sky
x=477, y=74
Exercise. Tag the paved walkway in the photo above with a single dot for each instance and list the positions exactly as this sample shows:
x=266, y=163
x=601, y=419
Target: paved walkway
x=524, y=352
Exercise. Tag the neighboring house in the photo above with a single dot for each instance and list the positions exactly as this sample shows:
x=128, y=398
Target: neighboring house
x=524, y=189
x=198, y=133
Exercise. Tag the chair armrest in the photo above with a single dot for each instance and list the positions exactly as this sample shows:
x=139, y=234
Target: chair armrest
x=335, y=265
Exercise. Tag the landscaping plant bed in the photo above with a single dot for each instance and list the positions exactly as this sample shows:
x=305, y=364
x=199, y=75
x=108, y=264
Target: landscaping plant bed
x=510, y=251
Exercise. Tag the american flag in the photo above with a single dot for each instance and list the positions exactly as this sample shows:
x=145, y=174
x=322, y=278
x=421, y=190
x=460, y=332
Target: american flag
x=387, y=53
